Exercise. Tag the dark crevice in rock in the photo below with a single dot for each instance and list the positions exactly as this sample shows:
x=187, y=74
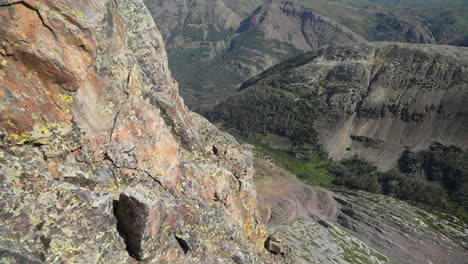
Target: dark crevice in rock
x=108, y=158
x=183, y=244
x=216, y=197
x=113, y=127
x=45, y=242
x=237, y=260
x=129, y=77
x=115, y=208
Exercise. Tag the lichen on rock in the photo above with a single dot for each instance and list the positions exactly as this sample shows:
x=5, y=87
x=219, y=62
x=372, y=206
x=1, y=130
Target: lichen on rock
x=105, y=133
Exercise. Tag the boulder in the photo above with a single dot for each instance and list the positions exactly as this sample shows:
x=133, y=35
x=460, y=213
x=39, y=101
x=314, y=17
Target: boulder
x=274, y=244
x=145, y=216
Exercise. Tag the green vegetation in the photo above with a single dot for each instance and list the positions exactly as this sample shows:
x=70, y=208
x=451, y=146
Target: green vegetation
x=192, y=77
x=441, y=182
x=446, y=166
x=436, y=178
x=311, y=170
x=210, y=75
x=247, y=46
x=269, y=110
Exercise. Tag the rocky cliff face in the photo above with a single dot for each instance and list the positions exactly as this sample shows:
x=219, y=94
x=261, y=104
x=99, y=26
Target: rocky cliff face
x=187, y=24
x=371, y=100
x=99, y=154
x=393, y=28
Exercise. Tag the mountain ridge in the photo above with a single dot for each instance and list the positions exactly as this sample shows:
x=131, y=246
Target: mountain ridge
x=242, y=49
x=362, y=87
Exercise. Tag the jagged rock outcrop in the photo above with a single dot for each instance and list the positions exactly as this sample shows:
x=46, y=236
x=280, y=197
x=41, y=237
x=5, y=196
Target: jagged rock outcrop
x=91, y=125
x=372, y=100
x=274, y=244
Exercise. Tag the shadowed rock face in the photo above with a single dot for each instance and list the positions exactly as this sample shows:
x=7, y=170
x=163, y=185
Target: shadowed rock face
x=88, y=108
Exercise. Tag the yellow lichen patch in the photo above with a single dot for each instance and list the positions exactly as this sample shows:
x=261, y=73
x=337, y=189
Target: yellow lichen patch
x=55, y=12
x=24, y=138
x=261, y=231
x=76, y=14
x=61, y=248
x=21, y=138
x=67, y=98
x=16, y=45
x=4, y=64
x=165, y=229
x=44, y=130
x=40, y=132
x=47, y=92
x=10, y=123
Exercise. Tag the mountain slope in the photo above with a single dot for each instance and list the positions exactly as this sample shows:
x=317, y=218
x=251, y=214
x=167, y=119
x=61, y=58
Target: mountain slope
x=214, y=45
x=372, y=100
x=323, y=226
x=286, y=22
x=212, y=48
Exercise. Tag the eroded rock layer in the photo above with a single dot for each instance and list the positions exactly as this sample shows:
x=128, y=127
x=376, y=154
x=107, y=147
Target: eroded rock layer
x=95, y=140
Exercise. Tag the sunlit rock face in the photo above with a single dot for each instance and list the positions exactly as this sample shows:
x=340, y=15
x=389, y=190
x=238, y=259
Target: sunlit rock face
x=90, y=117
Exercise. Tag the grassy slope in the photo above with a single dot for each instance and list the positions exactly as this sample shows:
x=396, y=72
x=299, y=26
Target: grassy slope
x=311, y=171
x=318, y=170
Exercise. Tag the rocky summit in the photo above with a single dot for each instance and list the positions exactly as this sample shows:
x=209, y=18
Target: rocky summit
x=101, y=162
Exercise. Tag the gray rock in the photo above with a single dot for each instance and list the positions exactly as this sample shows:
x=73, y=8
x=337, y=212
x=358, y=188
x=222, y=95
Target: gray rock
x=144, y=216
x=274, y=244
